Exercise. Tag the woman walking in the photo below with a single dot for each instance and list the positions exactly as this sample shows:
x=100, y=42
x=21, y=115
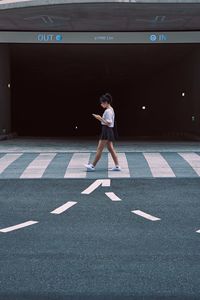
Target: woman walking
x=107, y=134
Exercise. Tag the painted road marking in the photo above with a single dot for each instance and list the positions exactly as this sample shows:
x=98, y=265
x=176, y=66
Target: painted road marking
x=7, y=160
x=198, y=231
x=95, y=185
x=123, y=164
x=151, y=164
x=63, y=207
x=145, y=215
x=15, y=227
x=193, y=160
x=113, y=196
x=76, y=168
x=158, y=165
x=38, y=166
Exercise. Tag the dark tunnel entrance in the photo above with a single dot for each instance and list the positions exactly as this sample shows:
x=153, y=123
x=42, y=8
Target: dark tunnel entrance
x=55, y=89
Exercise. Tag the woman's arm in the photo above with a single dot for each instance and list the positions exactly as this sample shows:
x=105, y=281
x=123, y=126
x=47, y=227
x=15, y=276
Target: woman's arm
x=98, y=117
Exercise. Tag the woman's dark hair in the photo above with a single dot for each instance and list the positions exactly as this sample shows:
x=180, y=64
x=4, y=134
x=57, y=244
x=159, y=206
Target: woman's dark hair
x=106, y=98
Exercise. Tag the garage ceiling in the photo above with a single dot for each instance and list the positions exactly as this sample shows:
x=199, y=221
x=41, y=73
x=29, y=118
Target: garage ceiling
x=125, y=63
x=99, y=16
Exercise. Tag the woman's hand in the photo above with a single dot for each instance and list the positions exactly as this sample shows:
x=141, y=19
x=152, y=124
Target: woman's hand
x=98, y=117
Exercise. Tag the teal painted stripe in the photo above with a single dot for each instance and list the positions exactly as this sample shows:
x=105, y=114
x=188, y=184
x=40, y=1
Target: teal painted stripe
x=101, y=167
x=15, y=169
x=58, y=166
x=138, y=165
x=179, y=166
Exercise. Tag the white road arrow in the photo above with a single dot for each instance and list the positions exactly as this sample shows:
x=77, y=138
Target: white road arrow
x=95, y=185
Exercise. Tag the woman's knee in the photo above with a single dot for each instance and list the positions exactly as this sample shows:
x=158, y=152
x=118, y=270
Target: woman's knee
x=100, y=147
x=110, y=146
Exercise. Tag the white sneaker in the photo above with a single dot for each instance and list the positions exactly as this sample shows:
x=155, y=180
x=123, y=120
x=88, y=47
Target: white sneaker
x=90, y=167
x=116, y=168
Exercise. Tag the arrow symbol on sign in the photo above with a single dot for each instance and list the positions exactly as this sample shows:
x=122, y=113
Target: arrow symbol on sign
x=95, y=185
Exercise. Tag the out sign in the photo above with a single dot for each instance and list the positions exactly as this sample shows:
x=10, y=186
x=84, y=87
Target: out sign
x=42, y=37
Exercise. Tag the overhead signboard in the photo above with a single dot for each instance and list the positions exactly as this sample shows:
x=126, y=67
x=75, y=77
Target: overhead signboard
x=100, y=37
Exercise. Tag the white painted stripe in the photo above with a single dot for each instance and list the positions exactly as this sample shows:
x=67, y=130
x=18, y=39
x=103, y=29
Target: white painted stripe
x=158, y=165
x=123, y=164
x=95, y=185
x=76, y=168
x=38, y=166
x=193, y=160
x=198, y=231
x=15, y=227
x=145, y=215
x=63, y=207
x=7, y=160
x=113, y=196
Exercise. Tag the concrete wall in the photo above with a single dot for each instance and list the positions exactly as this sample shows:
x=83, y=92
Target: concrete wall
x=5, y=98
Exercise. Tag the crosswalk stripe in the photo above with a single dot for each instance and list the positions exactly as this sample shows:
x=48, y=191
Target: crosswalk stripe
x=123, y=164
x=54, y=165
x=76, y=168
x=138, y=165
x=193, y=160
x=180, y=167
x=158, y=165
x=57, y=167
x=38, y=166
x=7, y=160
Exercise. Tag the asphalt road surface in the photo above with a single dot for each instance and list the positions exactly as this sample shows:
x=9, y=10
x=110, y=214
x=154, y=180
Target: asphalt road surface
x=130, y=239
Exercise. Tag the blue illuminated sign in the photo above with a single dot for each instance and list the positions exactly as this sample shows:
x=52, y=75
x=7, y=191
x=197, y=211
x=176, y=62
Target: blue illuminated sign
x=158, y=37
x=153, y=37
x=49, y=37
x=58, y=37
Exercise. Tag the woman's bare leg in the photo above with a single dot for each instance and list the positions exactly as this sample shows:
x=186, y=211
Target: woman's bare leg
x=100, y=148
x=113, y=152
